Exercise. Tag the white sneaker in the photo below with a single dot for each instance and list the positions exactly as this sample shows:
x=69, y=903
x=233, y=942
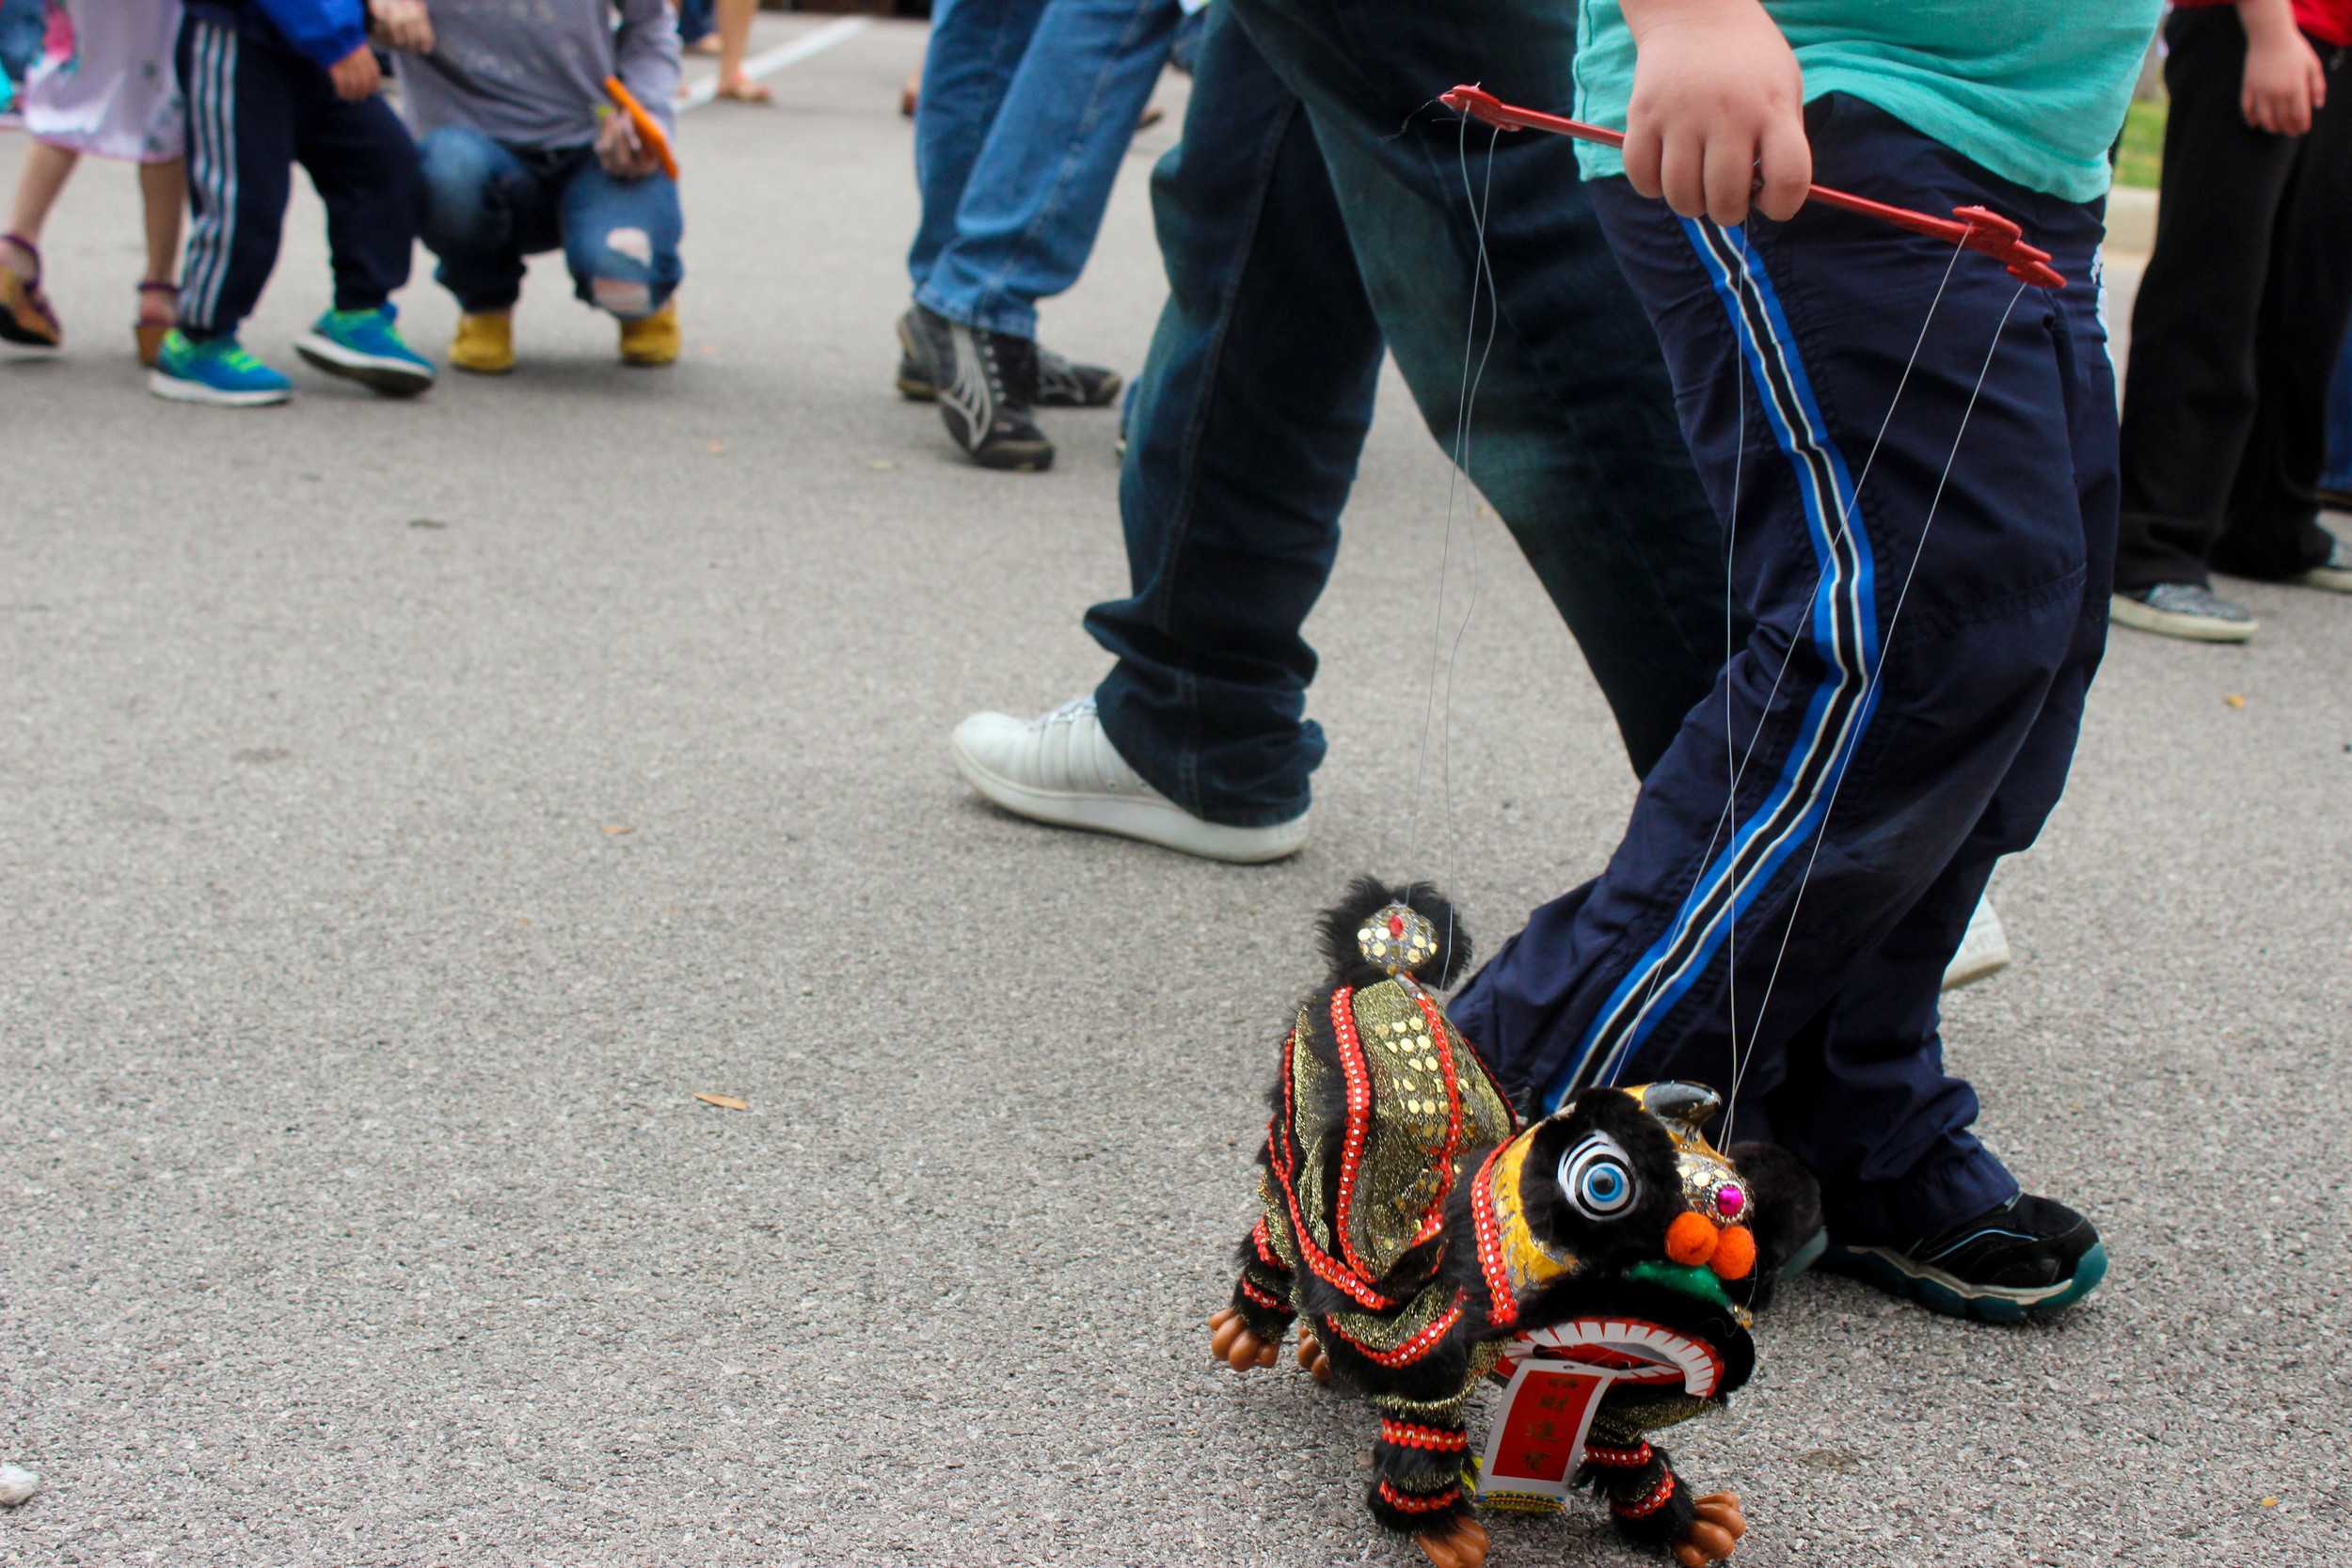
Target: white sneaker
x=1061, y=767
x=1983, y=948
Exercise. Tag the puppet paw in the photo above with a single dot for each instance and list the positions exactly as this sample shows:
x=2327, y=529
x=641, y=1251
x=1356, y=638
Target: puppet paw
x=1230, y=1341
x=1459, y=1542
x=1311, y=1357
x=1710, y=1537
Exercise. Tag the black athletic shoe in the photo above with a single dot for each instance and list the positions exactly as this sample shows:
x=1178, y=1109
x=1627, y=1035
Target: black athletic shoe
x=1066, y=384
x=2026, y=1258
x=985, y=399
x=1061, y=383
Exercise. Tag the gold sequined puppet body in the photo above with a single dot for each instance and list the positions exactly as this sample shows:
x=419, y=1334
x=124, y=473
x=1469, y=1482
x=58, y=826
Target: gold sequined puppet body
x=1420, y=1232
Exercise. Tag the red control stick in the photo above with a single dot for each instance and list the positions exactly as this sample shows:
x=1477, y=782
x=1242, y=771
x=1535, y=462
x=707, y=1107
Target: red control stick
x=1978, y=228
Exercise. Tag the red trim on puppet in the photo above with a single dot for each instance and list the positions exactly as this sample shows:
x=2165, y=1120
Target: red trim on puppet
x=1504, y=1309
x=1413, y=1348
x=1407, y=1502
x=1351, y=1052
x=1321, y=1263
x=1260, y=1298
x=1655, y=1499
x=1601, y=1456
x=1408, y=1434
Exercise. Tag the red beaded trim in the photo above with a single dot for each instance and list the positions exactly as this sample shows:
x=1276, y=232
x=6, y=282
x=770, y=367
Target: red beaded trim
x=1410, y=1502
x=1407, y=1434
x=1607, y=1458
x=1322, y=1265
x=1271, y=1303
x=1503, y=1309
x=1413, y=1348
x=1433, y=1218
x=1351, y=1052
x=1260, y=1238
x=1650, y=1504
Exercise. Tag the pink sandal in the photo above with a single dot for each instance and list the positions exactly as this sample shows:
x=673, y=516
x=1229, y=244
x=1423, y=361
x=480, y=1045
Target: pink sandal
x=150, y=331
x=25, y=316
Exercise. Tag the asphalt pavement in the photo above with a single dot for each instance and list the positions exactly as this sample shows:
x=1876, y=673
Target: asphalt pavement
x=407, y=810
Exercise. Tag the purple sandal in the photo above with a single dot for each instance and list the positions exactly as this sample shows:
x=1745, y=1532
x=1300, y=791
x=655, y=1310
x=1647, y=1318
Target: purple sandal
x=151, y=334
x=25, y=313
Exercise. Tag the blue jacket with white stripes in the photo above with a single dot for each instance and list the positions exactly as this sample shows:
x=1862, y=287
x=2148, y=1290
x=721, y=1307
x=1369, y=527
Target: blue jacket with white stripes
x=322, y=30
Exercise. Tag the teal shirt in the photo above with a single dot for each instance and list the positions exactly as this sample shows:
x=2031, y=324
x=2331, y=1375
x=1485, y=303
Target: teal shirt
x=2033, y=89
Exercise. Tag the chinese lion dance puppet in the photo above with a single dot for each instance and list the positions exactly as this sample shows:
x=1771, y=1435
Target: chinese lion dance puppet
x=1606, y=1257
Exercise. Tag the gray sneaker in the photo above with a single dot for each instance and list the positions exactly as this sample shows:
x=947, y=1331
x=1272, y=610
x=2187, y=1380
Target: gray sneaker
x=2187, y=609
x=2335, y=573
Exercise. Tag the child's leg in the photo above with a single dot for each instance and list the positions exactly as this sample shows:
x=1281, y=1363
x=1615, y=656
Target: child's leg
x=621, y=240
x=241, y=142
x=1784, y=371
x=480, y=203
x=162, y=194
x=39, y=181
x=2272, y=530
x=2189, y=397
x=364, y=166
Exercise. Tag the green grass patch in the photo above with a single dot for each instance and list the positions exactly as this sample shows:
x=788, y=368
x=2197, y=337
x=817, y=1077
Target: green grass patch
x=2141, y=161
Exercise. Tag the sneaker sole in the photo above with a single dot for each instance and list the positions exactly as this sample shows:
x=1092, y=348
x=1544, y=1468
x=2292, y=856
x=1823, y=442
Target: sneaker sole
x=1149, y=821
x=392, y=377
x=1947, y=1294
x=2335, y=580
x=178, y=389
x=1983, y=951
x=2165, y=623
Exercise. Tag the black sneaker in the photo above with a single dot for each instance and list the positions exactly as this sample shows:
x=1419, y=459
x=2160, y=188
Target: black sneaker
x=985, y=383
x=1066, y=384
x=1061, y=383
x=2026, y=1258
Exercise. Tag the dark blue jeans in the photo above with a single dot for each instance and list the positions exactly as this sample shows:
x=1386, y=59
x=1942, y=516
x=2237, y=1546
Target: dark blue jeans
x=1300, y=232
x=2337, y=473
x=487, y=206
x=1025, y=113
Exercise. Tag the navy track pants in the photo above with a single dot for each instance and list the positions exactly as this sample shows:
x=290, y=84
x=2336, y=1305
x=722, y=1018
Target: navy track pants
x=1934, y=681
x=255, y=109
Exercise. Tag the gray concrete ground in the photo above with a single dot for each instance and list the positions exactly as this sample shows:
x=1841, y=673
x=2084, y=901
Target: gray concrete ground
x=406, y=809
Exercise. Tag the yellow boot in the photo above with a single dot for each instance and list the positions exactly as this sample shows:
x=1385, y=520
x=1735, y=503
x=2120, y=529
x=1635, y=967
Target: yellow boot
x=485, y=343
x=652, y=339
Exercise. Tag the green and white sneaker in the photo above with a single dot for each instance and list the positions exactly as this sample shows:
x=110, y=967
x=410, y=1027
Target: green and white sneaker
x=216, y=370
x=363, y=346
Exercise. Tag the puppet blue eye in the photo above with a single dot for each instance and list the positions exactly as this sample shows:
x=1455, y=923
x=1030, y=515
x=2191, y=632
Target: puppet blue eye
x=1597, y=1178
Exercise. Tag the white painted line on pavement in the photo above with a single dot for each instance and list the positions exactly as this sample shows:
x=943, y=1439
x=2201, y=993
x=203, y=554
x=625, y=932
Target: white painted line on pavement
x=765, y=65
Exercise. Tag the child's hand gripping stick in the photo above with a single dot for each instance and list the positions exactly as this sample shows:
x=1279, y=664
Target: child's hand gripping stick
x=1977, y=228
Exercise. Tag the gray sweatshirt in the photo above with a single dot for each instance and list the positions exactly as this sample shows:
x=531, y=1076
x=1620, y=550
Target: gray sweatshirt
x=531, y=73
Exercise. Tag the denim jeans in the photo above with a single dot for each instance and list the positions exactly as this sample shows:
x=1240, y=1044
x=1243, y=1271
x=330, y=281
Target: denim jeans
x=24, y=25
x=1297, y=225
x=1027, y=110
x=487, y=206
x=2336, y=473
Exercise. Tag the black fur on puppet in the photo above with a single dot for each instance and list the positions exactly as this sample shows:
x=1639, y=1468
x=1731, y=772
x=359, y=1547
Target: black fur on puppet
x=1367, y=896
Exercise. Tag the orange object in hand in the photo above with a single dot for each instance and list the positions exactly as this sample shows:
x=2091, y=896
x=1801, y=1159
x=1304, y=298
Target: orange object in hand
x=1735, y=1253
x=1692, y=1239
x=648, y=129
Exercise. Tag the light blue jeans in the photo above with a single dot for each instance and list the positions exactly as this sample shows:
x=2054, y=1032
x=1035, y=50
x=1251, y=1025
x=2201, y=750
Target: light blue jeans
x=1027, y=109
x=487, y=206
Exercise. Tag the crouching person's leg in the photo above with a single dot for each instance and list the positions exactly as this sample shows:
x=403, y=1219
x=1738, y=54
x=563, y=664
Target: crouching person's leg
x=620, y=242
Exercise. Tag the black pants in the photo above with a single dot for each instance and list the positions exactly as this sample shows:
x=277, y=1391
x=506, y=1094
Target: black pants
x=2238, y=325
x=255, y=109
